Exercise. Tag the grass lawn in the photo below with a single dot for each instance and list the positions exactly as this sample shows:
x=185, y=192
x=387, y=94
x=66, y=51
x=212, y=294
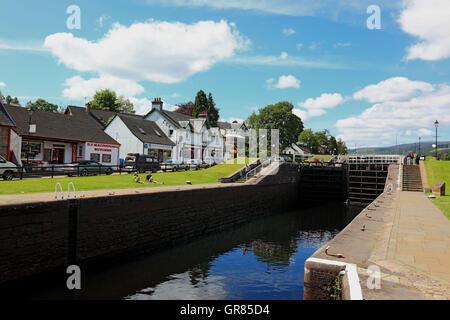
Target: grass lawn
x=439, y=171
x=120, y=181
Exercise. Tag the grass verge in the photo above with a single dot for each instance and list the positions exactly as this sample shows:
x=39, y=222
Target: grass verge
x=439, y=171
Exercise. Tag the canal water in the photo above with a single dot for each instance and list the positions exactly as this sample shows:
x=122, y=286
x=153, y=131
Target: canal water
x=263, y=259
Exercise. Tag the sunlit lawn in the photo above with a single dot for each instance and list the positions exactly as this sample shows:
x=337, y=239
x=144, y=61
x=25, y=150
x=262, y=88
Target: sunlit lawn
x=439, y=171
x=210, y=175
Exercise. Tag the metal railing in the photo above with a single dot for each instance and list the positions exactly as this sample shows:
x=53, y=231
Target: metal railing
x=258, y=169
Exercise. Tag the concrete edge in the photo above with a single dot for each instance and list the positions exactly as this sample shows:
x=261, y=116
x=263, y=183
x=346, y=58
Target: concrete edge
x=351, y=286
x=424, y=177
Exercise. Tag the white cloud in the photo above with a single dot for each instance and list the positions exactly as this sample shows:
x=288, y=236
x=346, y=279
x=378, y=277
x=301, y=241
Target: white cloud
x=322, y=8
x=318, y=106
x=325, y=101
x=154, y=51
x=2, y=84
x=342, y=44
x=79, y=88
x=284, y=55
x=284, y=82
x=141, y=106
x=413, y=107
x=313, y=45
x=28, y=46
x=299, y=46
x=393, y=89
x=424, y=132
x=288, y=32
x=429, y=22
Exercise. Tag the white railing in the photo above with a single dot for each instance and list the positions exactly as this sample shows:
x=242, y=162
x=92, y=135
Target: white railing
x=56, y=190
x=258, y=168
x=74, y=191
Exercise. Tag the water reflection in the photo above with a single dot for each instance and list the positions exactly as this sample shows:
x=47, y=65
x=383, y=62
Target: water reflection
x=259, y=260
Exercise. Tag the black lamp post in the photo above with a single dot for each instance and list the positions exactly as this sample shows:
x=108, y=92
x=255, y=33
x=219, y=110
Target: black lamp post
x=436, y=124
x=419, y=146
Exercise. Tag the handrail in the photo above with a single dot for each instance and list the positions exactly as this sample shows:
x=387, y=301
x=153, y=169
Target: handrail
x=74, y=191
x=56, y=190
x=260, y=166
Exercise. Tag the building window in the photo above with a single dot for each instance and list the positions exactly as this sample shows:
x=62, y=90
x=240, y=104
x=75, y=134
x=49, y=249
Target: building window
x=106, y=158
x=80, y=151
x=31, y=150
x=48, y=155
x=95, y=157
x=170, y=132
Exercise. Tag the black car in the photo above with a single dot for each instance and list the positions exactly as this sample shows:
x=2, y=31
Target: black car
x=141, y=163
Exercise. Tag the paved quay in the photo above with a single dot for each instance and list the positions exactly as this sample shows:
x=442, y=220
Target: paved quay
x=13, y=199
x=407, y=237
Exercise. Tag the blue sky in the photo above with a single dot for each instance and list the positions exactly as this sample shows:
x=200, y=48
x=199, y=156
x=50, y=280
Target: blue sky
x=366, y=86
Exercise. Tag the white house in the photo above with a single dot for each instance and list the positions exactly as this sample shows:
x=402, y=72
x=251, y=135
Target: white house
x=297, y=150
x=194, y=138
x=137, y=135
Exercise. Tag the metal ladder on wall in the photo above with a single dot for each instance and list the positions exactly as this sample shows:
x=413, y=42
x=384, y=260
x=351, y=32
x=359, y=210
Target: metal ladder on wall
x=61, y=192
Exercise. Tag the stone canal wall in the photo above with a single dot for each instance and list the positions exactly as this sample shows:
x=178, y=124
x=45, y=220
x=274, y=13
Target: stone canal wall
x=39, y=237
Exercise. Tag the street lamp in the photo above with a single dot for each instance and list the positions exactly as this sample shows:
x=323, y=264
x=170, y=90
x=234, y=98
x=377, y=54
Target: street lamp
x=419, y=146
x=30, y=113
x=436, y=124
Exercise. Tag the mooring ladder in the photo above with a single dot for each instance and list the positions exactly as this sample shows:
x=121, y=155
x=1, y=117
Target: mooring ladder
x=60, y=191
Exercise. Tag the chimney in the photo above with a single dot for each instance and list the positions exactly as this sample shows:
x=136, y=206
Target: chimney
x=157, y=104
x=203, y=114
x=88, y=107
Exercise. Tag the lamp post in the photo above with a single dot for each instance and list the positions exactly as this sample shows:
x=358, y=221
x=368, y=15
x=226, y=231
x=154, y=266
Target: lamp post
x=436, y=124
x=419, y=146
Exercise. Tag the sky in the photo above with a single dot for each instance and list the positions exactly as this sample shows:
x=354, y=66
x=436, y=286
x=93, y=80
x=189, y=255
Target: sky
x=372, y=72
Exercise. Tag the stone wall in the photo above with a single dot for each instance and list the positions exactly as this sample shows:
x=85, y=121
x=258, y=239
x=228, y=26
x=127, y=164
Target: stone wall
x=44, y=236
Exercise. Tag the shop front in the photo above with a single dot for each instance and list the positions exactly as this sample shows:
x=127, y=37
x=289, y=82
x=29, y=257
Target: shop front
x=159, y=151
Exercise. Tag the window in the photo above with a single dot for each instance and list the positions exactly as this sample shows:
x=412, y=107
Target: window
x=106, y=158
x=157, y=132
x=170, y=132
x=95, y=157
x=80, y=151
x=48, y=155
x=141, y=130
x=31, y=149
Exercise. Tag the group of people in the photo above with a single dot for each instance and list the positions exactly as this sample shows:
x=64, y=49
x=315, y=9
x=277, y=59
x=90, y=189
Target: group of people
x=245, y=170
x=412, y=158
x=148, y=179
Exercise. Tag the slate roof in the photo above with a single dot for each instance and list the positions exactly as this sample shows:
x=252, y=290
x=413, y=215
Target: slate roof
x=5, y=119
x=145, y=130
x=177, y=117
x=76, y=127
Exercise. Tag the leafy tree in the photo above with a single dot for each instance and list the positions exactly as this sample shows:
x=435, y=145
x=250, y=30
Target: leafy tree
x=185, y=108
x=200, y=104
x=341, y=147
x=105, y=100
x=125, y=105
x=213, y=112
x=41, y=104
x=322, y=137
x=310, y=139
x=278, y=116
x=332, y=145
x=11, y=100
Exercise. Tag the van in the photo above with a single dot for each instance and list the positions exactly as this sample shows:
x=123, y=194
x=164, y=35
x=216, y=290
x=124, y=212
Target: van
x=141, y=163
x=8, y=170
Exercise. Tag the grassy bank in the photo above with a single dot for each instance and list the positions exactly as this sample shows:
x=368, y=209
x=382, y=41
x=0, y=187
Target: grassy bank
x=439, y=171
x=123, y=181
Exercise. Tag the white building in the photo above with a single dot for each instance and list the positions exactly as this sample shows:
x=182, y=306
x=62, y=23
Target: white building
x=194, y=138
x=297, y=151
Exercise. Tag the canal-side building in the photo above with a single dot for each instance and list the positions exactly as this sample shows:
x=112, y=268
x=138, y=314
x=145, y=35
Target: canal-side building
x=194, y=138
x=234, y=137
x=52, y=138
x=297, y=151
x=8, y=137
x=137, y=135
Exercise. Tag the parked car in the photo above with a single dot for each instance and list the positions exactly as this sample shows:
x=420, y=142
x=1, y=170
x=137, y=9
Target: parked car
x=141, y=163
x=194, y=164
x=8, y=170
x=170, y=165
x=85, y=168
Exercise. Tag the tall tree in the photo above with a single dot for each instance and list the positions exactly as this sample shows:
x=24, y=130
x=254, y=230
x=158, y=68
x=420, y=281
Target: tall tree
x=125, y=105
x=341, y=147
x=213, y=112
x=185, y=108
x=278, y=116
x=200, y=104
x=105, y=100
x=41, y=104
x=310, y=139
x=332, y=145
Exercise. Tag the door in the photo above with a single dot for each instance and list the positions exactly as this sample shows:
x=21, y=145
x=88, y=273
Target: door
x=58, y=156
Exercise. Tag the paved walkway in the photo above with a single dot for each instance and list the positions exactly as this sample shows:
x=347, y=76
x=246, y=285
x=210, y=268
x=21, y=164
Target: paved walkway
x=407, y=237
x=13, y=199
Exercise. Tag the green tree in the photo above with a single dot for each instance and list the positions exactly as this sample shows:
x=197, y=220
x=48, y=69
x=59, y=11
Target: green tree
x=341, y=147
x=105, y=100
x=200, y=104
x=11, y=100
x=278, y=116
x=125, y=105
x=310, y=139
x=213, y=112
x=332, y=145
x=41, y=104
